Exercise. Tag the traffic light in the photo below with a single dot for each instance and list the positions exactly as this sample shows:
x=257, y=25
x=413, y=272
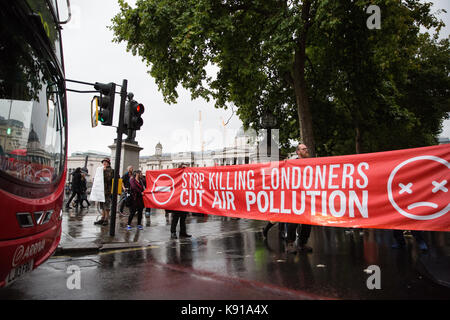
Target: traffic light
x=106, y=102
x=133, y=115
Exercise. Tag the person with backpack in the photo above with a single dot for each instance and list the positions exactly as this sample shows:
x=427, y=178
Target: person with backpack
x=137, y=201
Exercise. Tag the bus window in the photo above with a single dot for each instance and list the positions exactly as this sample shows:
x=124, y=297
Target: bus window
x=32, y=146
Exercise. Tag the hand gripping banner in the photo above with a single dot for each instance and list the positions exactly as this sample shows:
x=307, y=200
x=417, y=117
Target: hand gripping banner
x=402, y=189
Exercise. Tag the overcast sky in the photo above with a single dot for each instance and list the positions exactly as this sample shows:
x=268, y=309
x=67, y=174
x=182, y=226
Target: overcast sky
x=91, y=56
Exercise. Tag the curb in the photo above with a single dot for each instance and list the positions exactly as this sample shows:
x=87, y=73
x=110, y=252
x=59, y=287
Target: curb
x=78, y=247
x=92, y=248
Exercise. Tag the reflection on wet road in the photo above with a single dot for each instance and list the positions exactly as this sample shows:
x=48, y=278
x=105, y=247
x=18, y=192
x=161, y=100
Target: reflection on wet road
x=230, y=259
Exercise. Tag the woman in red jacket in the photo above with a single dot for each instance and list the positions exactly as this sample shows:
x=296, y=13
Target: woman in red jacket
x=137, y=202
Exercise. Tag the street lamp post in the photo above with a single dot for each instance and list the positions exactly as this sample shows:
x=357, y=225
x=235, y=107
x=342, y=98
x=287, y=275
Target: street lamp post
x=269, y=122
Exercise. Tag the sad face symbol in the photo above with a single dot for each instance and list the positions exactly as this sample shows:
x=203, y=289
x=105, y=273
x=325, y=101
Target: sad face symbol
x=419, y=188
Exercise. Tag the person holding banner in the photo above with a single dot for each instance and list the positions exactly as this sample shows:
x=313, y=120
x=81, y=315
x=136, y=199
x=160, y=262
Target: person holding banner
x=108, y=175
x=179, y=216
x=305, y=229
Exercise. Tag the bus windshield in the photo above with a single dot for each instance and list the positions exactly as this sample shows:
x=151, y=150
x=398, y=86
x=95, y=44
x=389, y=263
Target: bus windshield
x=32, y=124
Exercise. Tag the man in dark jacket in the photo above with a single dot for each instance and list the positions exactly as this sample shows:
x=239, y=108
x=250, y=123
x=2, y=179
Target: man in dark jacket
x=305, y=229
x=181, y=216
x=76, y=187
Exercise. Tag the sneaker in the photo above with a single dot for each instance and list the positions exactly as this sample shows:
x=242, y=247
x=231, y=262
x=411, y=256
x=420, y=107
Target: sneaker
x=422, y=246
x=173, y=236
x=140, y=227
x=129, y=227
x=99, y=222
x=105, y=223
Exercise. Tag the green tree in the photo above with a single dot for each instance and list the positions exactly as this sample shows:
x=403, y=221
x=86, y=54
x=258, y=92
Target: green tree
x=368, y=79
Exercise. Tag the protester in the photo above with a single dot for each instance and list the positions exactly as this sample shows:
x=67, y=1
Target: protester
x=83, y=190
x=76, y=187
x=125, y=188
x=137, y=204
x=305, y=229
x=147, y=210
x=179, y=216
x=108, y=175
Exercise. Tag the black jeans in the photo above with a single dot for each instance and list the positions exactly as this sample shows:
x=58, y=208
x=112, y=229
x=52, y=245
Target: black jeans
x=122, y=204
x=133, y=210
x=175, y=217
x=78, y=194
x=81, y=204
x=305, y=231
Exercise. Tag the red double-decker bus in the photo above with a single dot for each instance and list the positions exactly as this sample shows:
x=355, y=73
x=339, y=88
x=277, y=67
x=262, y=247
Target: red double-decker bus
x=33, y=135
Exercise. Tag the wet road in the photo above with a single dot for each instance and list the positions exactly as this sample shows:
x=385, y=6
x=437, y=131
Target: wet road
x=230, y=259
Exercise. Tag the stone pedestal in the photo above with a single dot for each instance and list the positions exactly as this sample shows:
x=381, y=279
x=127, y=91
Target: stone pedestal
x=129, y=156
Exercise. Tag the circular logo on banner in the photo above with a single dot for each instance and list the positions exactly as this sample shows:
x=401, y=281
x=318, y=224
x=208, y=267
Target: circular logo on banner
x=163, y=189
x=423, y=196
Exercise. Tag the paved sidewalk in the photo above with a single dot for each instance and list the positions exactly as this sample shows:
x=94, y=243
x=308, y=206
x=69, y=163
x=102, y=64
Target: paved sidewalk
x=81, y=236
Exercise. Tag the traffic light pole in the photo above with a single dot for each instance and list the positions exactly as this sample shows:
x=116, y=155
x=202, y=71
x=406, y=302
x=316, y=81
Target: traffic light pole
x=123, y=97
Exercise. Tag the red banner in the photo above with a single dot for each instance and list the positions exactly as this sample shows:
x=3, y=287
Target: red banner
x=403, y=189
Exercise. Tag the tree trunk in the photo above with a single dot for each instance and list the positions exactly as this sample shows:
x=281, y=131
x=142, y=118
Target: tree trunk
x=300, y=87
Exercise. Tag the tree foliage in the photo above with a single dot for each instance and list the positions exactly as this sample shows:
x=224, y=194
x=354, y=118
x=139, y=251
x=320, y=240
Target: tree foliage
x=315, y=65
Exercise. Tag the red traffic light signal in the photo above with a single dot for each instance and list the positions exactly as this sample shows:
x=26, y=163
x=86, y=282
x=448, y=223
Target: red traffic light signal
x=133, y=113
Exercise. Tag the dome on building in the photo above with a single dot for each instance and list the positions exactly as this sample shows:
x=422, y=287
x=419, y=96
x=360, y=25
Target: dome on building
x=33, y=137
x=158, y=149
